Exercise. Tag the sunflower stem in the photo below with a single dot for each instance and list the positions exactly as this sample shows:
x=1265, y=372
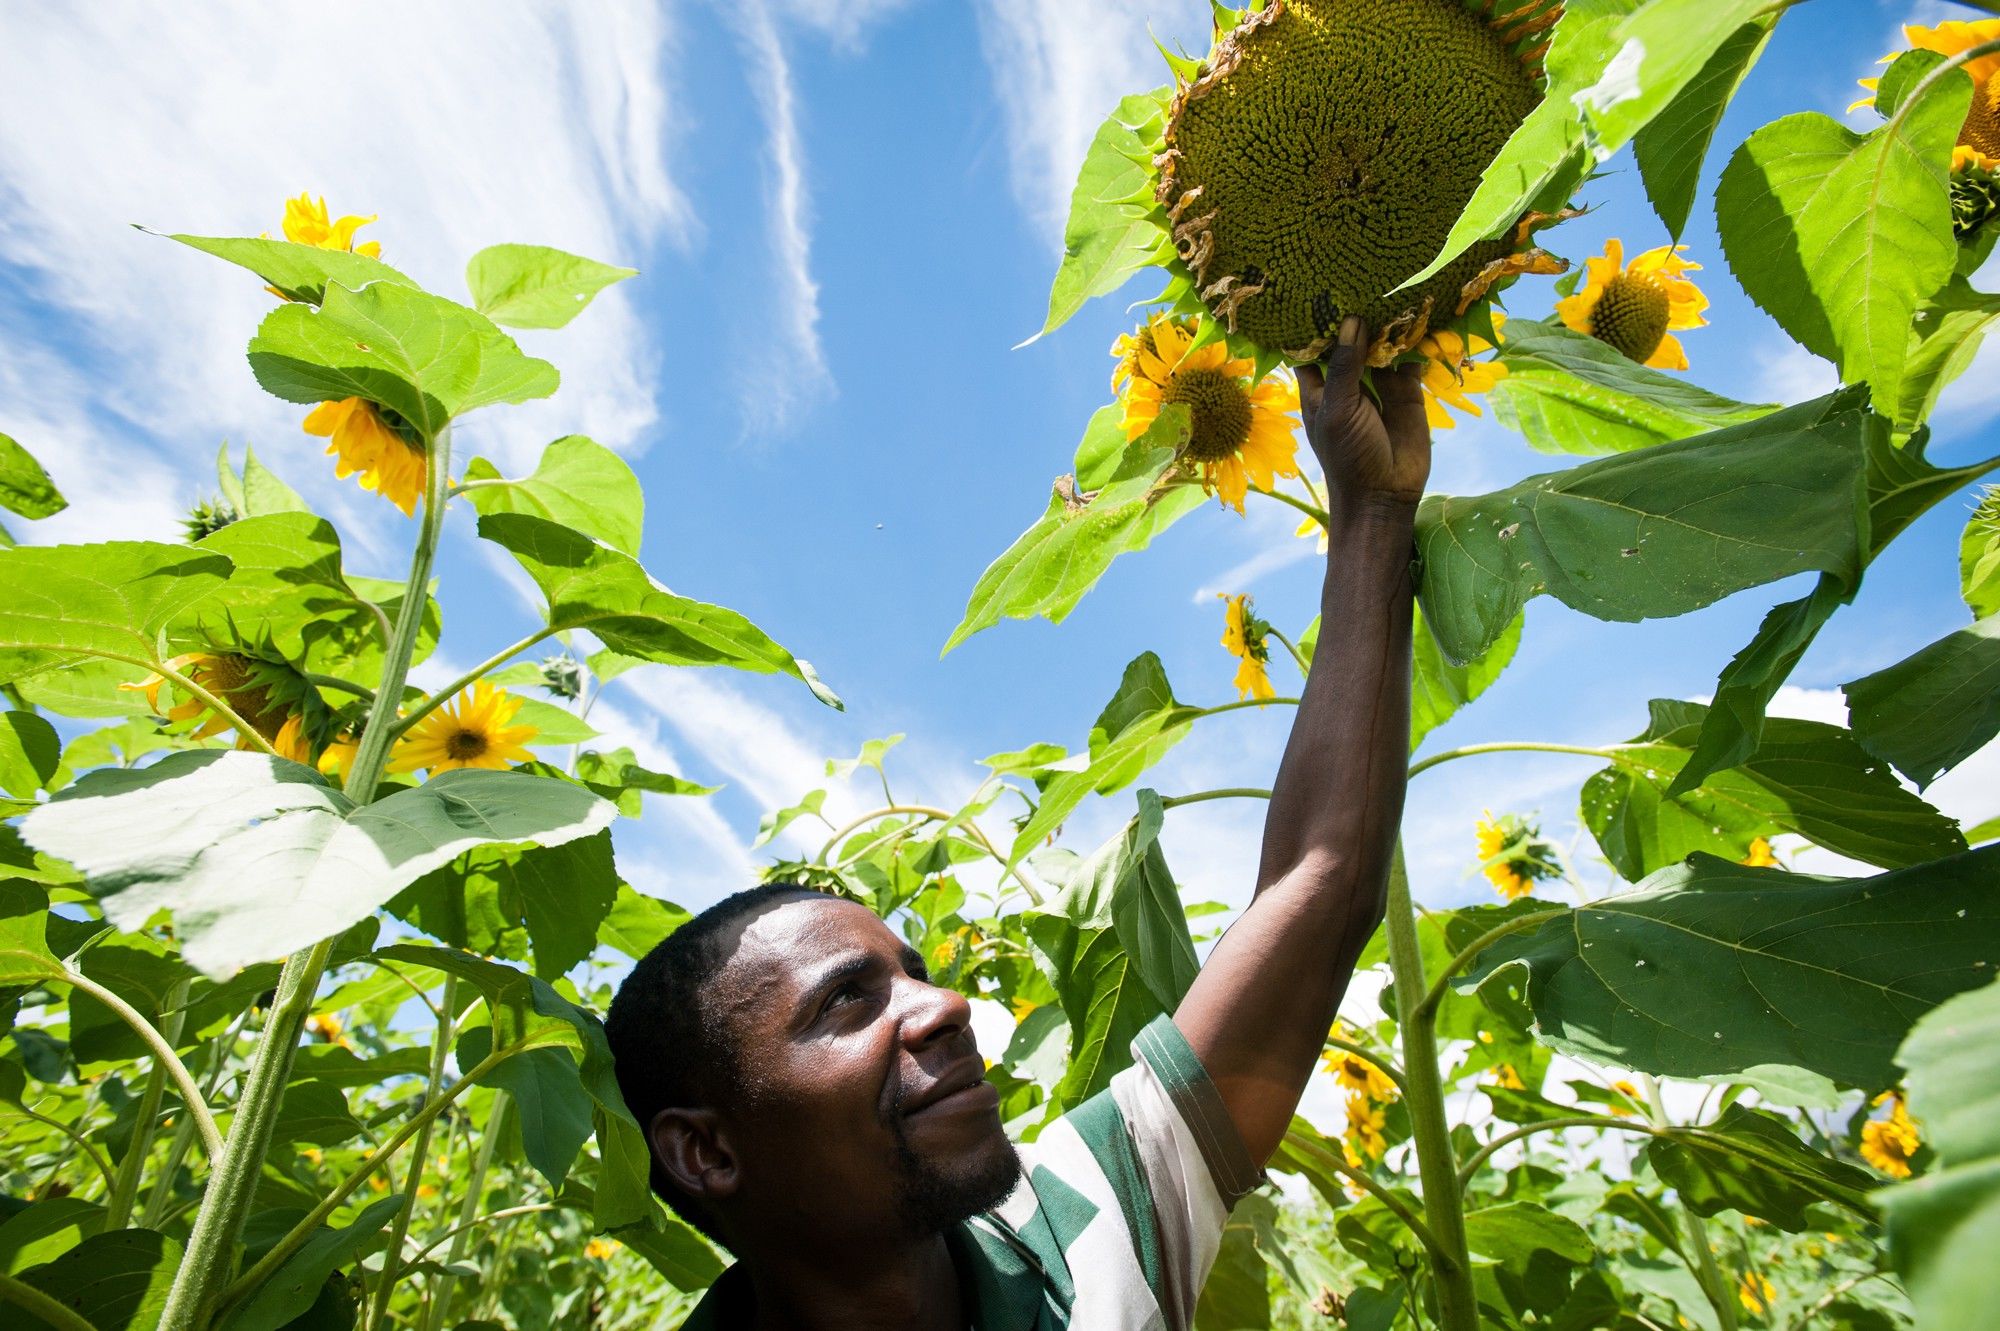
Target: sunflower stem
x=211, y=1254
x=1437, y=1163
x=466, y=680
x=393, y=1265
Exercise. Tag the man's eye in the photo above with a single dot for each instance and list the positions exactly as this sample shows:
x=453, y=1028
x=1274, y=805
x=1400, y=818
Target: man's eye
x=844, y=994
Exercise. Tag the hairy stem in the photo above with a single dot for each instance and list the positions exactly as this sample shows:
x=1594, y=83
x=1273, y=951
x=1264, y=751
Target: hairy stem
x=1437, y=1165
x=399, y=1228
x=1226, y=793
x=146, y=1126
x=475, y=1191
x=232, y=1182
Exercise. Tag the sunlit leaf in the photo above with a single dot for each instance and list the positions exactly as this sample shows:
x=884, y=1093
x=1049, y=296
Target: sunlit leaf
x=639, y=923
x=578, y=482
x=533, y=286
x=257, y=857
x=1108, y=238
x=24, y=487
x=1945, y=1227
x=116, y=1281
x=67, y=604
x=618, y=777
x=1947, y=334
x=553, y=1111
x=1712, y=967
x=422, y=356
x=591, y=586
x=1438, y=689
x=1054, y=563
x=1568, y=393
x=1661, y=48
x=1840, y=236
x=1979, y=557
x=30, y=752
x=294, y=1286
x=301, y=272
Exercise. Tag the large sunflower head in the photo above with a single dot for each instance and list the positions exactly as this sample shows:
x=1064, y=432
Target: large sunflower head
x=1637, y=308
x=366, y=442
x=1978, y=143
x=472, y=730
x=1323, y=151
x=1240, y=430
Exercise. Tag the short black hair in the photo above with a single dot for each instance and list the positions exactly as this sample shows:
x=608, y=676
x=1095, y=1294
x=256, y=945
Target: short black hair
x=668, y=1044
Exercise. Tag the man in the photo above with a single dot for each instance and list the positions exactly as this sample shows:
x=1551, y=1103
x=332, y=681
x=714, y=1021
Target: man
x=819, y=1108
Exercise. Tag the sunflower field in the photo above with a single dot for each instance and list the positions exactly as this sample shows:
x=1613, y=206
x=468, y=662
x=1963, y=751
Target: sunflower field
x=302, y=965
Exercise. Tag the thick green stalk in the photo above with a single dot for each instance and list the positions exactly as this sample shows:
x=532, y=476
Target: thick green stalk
x=211, y=1256
x=399, y=1228
x=475, y=1191
x=160, y=1201
x=1423, y=1093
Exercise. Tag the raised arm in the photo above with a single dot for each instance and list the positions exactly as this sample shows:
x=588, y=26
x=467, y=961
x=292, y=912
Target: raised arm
x=1259, y=1011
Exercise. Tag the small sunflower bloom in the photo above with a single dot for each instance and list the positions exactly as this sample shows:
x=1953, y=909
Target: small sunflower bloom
x=472, y=730
x=1978, y=145
x=1360, y=1076
x=1451, y=375
x=600, y=1249
x=1633, y=1097
x=1362, y=1142
x=1245, y=637
x=364, y=444
x=308, y=222
x=341, y=751
x=1512, y=854
x=1760, y=856
x=267, y=696
x=1022, y=1008
x=1755, y=1293
x=1636, y=308
x=1240, y=433
x=1890, y=1143
x=1507, y=1079
x=325, y=1026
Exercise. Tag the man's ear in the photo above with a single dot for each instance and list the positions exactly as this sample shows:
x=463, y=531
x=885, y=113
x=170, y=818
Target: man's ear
x=692, y=1146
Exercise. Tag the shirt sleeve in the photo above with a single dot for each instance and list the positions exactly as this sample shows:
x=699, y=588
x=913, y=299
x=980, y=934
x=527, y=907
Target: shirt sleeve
x=1183, y=1151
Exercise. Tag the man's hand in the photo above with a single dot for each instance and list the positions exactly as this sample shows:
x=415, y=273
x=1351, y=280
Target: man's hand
x=1367, y=450
x=1258, y=1013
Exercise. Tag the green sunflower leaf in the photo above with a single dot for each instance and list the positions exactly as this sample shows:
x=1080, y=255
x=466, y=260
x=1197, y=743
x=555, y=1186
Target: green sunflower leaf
x=639, y=923
x=291, y=1290
x=1805, y=777
x=24, y=487
x=1544, y=160
x=591, y=586
x=554, y=1112
x=1051, y=566
x=68, y=606
x=1660, y=49
x=533, y=286
x=30, y=753
x=1947, y=334
x=553, y=724
x=1841, y=236
x=1753, y=1163
x=618, y=777
x=287, y=593
x=257, y=857
x=1670, y=150
x=1438, y=689
x=1979, y=556
x=1712, y=967
x=1107, y=239
x=115, y=1281
x=1945, y=1227
x=1654, y=533
x=1931, y=711
x=1569, y=393
x=301, y=272
x=578, y=482
x=527, y=1013
x=1902, y=487
x=424, y=357
x=265, y=492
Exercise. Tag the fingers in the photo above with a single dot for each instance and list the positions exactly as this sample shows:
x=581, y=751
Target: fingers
x=1312, y=385
x=1344, y=362
x=1402, y=394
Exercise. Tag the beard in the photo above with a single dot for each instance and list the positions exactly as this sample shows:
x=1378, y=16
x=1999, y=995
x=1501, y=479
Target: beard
x=933, y=1195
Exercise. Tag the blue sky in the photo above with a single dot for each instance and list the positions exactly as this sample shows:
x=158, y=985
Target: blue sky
x=845, y=214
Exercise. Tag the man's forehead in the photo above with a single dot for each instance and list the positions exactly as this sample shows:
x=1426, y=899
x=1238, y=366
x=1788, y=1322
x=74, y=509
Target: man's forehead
x=781, y=947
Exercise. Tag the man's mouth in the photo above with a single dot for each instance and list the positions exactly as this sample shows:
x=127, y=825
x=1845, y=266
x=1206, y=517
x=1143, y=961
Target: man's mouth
x=962, y=1089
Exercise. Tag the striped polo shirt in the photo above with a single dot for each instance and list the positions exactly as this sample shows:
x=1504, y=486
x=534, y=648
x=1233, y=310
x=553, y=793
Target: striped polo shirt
x=1118, y=1214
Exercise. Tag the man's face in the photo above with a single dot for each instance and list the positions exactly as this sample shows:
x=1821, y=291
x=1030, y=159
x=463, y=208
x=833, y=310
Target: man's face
x=862, y=1099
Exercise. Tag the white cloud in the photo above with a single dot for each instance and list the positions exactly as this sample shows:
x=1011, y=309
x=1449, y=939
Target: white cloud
x=465, y=124
x=1058, y=69
x=774, y=402
x=1788, y=373
x=841, y=20
x=1273, y=531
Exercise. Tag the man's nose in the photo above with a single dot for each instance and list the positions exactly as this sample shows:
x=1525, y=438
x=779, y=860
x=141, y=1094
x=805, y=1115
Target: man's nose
x=933, y=1013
